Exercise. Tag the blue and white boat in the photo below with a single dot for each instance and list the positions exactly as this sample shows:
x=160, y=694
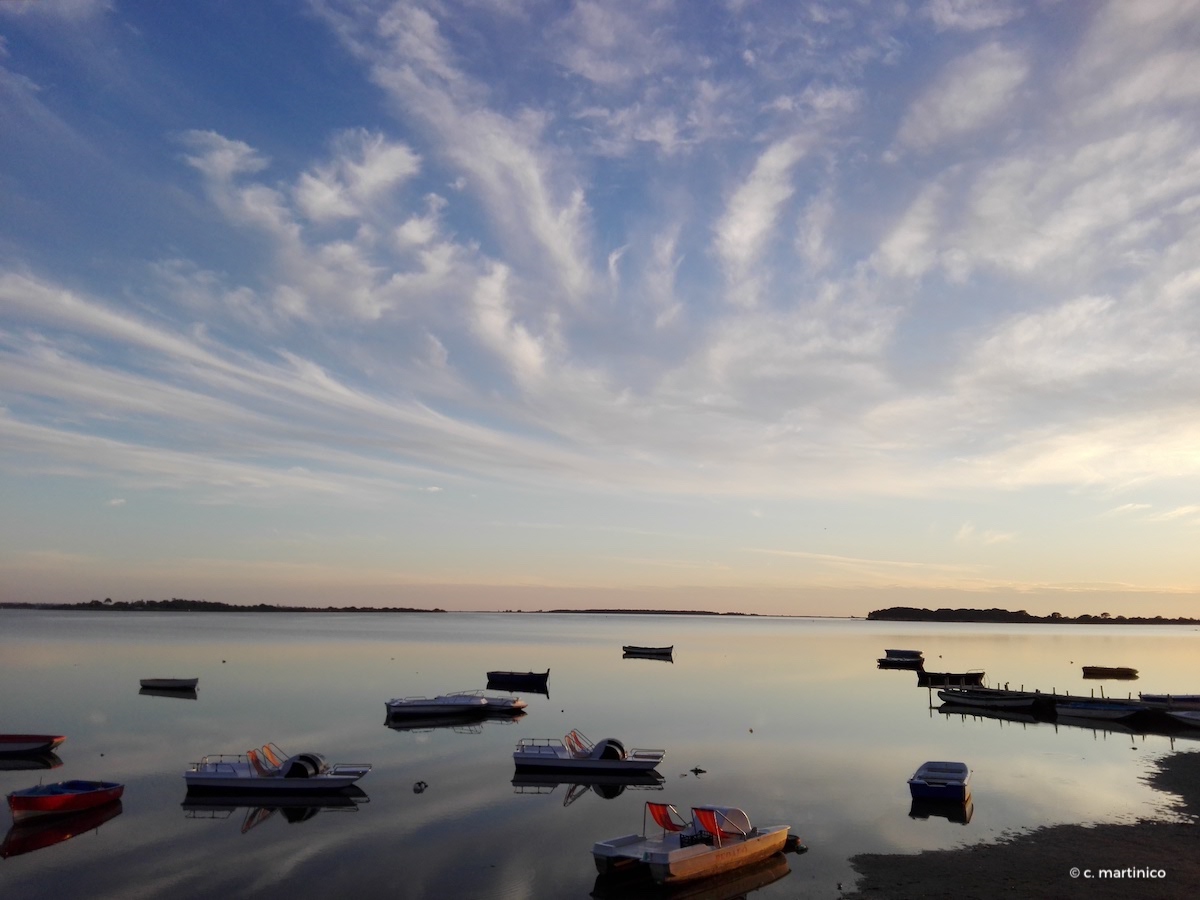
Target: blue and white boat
x=939, y=780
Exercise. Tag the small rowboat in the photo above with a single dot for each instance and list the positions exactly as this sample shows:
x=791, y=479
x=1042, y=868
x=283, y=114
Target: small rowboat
x=938, y=780
x=519, y=681
x=27, y=744
x=62, y=797
x=170, y=684
x=1124, y=673
x=629, y=651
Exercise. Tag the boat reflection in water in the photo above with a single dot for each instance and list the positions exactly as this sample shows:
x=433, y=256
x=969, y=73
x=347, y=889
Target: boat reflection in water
x=176, y=693
x=34, y=834
x=294, y=808
x=603, y=785
x=959, y=811
x=638, y=885
x=19, y=762
x=465, y=724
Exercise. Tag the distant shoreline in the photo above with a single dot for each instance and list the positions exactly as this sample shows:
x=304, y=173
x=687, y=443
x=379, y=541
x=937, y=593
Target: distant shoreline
x=178, y=604
x=1008, y=617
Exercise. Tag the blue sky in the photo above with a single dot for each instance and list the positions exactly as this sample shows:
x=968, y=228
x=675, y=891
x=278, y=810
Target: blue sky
x=804, y=308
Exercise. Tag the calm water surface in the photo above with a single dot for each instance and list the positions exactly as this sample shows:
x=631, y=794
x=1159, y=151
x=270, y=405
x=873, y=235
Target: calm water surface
x=790, y=718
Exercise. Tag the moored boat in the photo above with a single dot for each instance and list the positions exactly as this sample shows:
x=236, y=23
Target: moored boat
x=576, y=752
x=270, y=769
x=28, y=744
x=629, y=651
x=170, y=684
x=457, y=704
x=519, y=681
x=1171, y=701
x=993, y=698
x=941, y=780
x=718, y=839
x=62, y=797
x=1123, y=673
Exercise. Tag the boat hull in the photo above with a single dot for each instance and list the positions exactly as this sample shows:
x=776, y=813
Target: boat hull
x=716, y=860
x=62, y=798
x=670, y=862
x=522, y=680
x=993, y=699
x=28, y=744
x=250, y=784
x=170, y=684
x=229, y=774
x=1121, y=673
x=946, y=781
x=1171, y=701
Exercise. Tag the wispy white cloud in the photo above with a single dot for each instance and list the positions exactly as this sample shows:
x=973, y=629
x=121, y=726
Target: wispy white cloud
x=971, y=93
x=744, y=231
x=969, y=534
x=971, y=15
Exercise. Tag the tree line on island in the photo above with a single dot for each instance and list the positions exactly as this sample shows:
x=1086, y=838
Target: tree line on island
x=179, y=604
x=913, y=614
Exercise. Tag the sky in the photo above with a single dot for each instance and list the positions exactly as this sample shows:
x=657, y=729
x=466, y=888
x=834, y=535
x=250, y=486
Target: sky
x=756, y=305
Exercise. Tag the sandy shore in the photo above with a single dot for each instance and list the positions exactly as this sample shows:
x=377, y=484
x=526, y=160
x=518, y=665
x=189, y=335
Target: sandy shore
x=1038, y=865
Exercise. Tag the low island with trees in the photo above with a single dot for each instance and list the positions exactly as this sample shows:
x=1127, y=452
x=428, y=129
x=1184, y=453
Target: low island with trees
x=1020, y=616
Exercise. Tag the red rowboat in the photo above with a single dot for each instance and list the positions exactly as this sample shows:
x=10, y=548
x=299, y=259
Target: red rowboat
x=62, y=797
x=25, y=744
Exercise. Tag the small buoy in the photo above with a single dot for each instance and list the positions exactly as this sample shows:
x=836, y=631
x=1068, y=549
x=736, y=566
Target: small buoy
x=419, y=787
x=752, y=731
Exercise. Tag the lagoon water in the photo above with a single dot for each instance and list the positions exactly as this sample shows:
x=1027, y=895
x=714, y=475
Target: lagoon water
x=790, y=719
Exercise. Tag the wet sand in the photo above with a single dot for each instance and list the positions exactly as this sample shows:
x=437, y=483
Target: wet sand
x=1038, y=864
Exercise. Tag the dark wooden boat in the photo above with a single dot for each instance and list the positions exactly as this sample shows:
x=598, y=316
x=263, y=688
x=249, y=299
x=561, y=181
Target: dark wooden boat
x=630, y=651
x=519, y=681
x=170, y=684
x=1123, y=673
